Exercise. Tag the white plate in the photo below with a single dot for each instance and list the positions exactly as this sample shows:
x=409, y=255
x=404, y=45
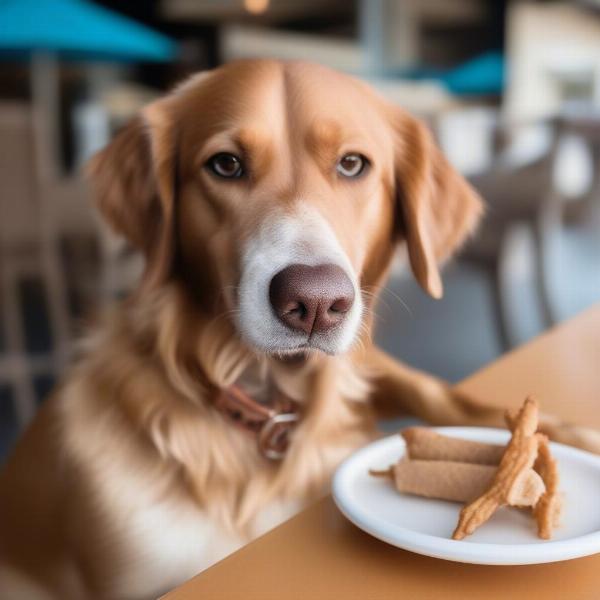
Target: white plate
x=425, y=526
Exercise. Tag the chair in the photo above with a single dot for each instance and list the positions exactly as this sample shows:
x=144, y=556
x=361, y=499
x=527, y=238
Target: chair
x=516, y=194
x=34, y=217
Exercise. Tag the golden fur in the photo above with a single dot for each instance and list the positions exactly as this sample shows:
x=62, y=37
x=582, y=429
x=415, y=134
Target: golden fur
x=133, y=427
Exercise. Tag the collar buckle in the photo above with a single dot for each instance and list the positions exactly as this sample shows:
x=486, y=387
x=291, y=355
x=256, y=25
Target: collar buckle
x=273, y=438
x=271, y=424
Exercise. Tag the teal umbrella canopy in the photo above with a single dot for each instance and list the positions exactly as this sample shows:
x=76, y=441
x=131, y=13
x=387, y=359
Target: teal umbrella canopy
x=78, y=29
x=484, y=74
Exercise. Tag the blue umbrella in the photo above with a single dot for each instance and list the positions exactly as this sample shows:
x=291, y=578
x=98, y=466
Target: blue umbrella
x=484, y=74
x=74, y=29
x=79, y=29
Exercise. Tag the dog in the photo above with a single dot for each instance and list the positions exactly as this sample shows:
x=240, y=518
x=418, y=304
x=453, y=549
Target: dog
x=268, y=199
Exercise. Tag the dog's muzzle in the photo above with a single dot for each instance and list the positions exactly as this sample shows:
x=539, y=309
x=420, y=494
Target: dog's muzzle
x=298, y=289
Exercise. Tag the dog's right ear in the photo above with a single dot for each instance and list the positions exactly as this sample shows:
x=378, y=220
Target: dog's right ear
x=134, y=181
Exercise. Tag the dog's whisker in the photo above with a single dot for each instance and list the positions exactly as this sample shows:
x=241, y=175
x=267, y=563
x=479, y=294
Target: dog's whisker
x=394, y=295
x=379, y=299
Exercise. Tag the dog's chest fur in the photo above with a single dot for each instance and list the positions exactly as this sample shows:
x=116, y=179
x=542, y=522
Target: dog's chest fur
x=157, y=530
x=154, y=530
x=167, y=542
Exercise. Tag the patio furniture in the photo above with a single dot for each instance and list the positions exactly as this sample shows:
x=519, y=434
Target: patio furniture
x=516, y=194
x=40, y=206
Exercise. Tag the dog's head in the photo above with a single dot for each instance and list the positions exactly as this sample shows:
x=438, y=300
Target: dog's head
x=277, y=192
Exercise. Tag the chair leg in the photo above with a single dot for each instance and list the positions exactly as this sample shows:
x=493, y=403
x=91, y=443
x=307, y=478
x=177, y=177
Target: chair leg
x=58, y=309
x=24, y=392
x=19, y=375
x=501, y=276
x=495, y=276
x=544, y=229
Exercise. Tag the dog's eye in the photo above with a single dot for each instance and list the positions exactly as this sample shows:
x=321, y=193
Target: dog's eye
x=226, y=165
x=351, y=165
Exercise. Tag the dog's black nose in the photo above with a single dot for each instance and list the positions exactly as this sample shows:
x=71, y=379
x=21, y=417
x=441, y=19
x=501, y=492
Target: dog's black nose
x=311, y=299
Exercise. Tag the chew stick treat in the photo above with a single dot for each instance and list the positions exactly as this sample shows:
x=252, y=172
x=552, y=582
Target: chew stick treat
x=458, y=482
x=424, y=444
x=547, y=510
x=518, y=458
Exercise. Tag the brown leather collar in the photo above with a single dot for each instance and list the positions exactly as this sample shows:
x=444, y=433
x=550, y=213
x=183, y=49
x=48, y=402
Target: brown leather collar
x=271, y=424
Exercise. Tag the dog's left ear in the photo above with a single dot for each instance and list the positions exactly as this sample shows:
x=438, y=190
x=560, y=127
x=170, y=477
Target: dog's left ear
x=437, y=208
x=134, y=180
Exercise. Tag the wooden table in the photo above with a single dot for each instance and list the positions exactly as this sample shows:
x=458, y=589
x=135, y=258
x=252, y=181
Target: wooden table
x=318, y=554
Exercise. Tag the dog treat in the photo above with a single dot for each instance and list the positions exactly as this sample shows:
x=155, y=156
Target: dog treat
x=456, y=481
x=547, y=510
x=484, y=476
x=425, y=444
x=519, y=456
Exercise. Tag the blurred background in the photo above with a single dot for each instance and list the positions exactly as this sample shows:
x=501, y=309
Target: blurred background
x=511, y=90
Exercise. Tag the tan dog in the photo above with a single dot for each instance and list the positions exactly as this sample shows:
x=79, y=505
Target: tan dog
x=268, y=199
